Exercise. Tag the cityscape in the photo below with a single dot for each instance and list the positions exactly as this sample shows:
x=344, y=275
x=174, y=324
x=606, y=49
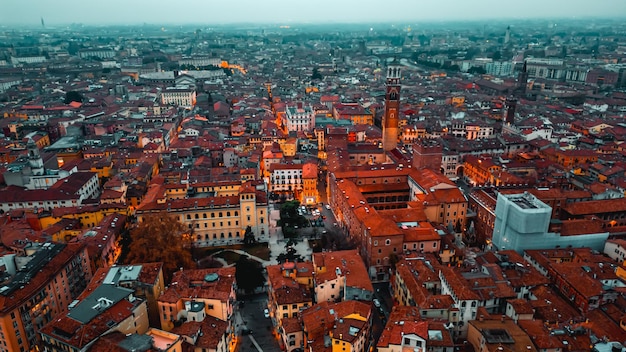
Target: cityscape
x=348, y=185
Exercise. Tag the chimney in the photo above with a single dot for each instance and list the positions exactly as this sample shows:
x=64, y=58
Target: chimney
x=481, y=318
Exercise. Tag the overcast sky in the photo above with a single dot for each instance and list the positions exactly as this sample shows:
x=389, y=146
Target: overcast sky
x=97, y=12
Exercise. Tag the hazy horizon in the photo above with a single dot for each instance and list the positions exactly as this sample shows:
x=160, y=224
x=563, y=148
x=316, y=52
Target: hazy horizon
x=118, y=12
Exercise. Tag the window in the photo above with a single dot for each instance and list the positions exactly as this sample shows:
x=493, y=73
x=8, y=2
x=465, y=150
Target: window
x=387, y=242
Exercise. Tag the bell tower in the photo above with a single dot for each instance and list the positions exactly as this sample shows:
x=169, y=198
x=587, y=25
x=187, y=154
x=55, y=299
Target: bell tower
x=392, y=103
x=34, y=158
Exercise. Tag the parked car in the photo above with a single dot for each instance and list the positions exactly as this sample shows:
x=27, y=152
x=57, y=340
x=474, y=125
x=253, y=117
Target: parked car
x=246, y=331
x=376, y=302
x=266, y=313
x=327, y=206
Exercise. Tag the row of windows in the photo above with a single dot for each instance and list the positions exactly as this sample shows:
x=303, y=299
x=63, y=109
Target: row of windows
x=222, y=235
x=219, y=215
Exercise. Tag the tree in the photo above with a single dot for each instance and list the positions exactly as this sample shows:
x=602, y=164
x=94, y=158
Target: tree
x=496, y=55
x=248, y=274
x=161, y=238
x=458, y=228
x=477, y=70
x=290, y=254
x=73, y=96
x=248, y=236
x=316, y=74
x=393, y=260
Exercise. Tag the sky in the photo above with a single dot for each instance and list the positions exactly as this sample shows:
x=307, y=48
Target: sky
x=101, y=12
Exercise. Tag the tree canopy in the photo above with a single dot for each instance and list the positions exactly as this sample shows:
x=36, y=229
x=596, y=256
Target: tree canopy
x=248, y=274
x=161, y=238
x=316, y=74
x=289, y=218
x=248, y=236
x=73, y=96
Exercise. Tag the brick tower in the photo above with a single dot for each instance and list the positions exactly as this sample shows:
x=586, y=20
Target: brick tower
x=392, y=103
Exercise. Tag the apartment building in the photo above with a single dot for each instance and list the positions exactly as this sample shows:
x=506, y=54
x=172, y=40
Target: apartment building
x=39, y=286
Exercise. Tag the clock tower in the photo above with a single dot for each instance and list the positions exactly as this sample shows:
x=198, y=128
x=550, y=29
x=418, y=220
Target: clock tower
x=392, y=103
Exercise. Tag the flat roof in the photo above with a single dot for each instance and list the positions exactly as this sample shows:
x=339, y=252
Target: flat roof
x=103, y=297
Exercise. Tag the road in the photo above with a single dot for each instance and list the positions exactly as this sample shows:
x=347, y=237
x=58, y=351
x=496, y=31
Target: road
x=251, y=318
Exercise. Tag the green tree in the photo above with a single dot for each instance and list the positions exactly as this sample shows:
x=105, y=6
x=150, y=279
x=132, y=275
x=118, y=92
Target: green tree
x=73, y=96
x=477, y=70
x=248, y=236
x=393, y=260
x=161, y=238
x=248, y=274
x=316, y=74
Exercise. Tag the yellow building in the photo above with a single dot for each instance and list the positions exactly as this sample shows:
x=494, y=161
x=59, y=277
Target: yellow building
x=289, y=147
x=442, y=201
x=289, y=290
x=197, y=294
x=356, y=113
x=89, y=216
x=310, y=194
x=347, y=324
x=457, y=100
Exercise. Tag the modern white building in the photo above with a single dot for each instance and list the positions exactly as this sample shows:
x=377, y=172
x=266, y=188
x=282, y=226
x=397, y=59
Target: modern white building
x=522, y=223
x=499, y=68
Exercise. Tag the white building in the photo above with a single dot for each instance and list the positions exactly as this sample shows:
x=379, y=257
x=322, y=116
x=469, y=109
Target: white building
x=180, y=95
x=103, y=53
x=68, y=192
x=27, y=60
x=285, y=178
x=522, y=222
x=200, y=61
x=499, y=68
x=616, y=250
x=299, y=118
x=7, y=83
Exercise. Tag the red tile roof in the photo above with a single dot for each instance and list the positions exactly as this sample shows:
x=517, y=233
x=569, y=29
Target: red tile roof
x=191, y=283
x=349, y=263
